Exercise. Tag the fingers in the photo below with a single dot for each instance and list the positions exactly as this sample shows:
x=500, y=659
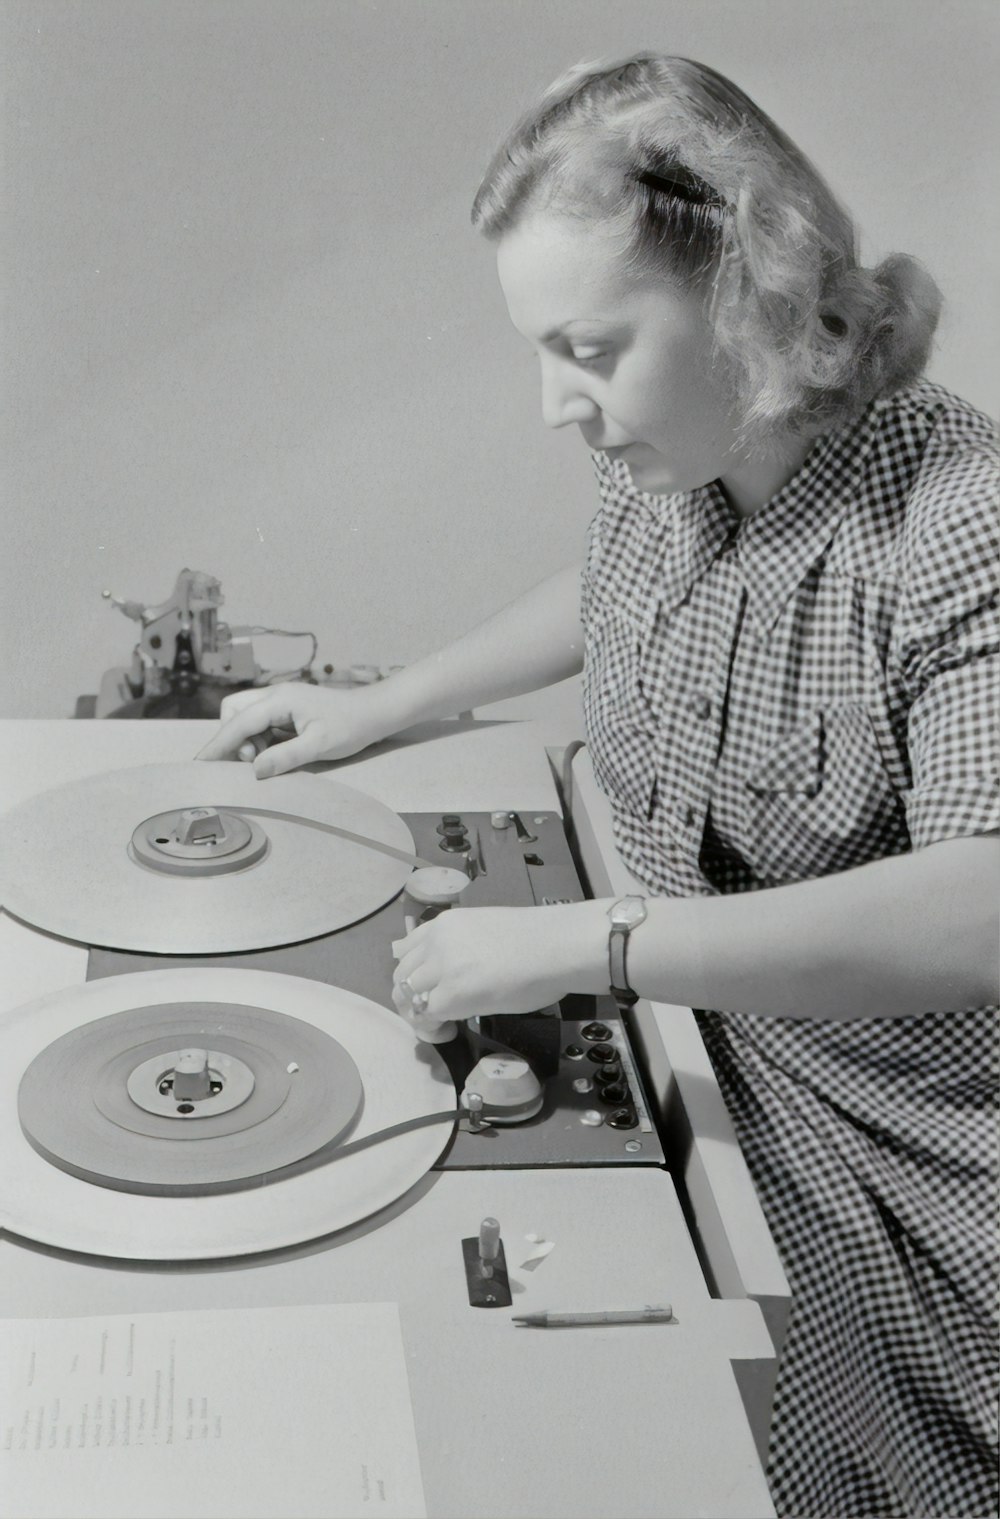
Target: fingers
x=409, y=969
x=240, y=720
x=411, y=988
x=245, y=714
x=408, y=1001
x=237, y=700
x=280, y=758
x=413, y=938
x=411, y=956
x=416, y=1010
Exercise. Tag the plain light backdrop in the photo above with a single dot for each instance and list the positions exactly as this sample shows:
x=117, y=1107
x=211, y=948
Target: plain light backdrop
x=249, y=330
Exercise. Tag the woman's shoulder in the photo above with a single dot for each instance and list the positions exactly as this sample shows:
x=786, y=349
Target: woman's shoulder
x=955, y=488
x=949, y=535
x=938, y=425
x=929, y=463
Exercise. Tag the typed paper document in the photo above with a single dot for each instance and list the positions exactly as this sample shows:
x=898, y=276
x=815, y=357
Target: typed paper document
x=268, y=1413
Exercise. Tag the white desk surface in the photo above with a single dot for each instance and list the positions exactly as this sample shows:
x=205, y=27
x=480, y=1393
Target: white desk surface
x=471, y=765
x=614, y=1421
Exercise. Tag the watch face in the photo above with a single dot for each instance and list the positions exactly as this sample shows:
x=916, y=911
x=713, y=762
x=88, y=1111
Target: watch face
x=628, y=912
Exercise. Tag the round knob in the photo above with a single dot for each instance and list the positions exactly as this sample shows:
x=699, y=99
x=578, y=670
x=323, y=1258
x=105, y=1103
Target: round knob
x=434, y=1033
x=596, y=1031
x=600, y=1054
x=614, y=1094
x=509, y=1088
x=436, y=885
x=623, y=1118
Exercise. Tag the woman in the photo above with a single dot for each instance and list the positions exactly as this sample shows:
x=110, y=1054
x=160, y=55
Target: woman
x=788, y=619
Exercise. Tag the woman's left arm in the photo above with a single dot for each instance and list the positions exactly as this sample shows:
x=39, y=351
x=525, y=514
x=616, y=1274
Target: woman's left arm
x=911, y=934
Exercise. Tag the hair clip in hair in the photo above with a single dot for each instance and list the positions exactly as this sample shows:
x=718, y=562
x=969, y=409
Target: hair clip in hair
x=681, y=184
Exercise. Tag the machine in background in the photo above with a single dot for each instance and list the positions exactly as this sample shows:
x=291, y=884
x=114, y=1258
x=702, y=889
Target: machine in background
x=187, y=660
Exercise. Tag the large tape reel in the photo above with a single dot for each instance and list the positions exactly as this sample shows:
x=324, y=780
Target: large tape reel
x=185, y=1098
x=404, y=1085
x=84, y=860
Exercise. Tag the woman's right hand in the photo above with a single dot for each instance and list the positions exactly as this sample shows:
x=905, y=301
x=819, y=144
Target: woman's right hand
x=328, y=724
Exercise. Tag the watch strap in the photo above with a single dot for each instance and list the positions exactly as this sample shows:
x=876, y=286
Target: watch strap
x=617, y=967
x=618, y=939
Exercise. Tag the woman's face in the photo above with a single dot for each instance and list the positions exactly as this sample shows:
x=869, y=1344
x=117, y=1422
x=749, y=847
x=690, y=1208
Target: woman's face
x=627, y=359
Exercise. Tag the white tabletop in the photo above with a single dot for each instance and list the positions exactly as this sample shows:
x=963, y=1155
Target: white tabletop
x=470, y=765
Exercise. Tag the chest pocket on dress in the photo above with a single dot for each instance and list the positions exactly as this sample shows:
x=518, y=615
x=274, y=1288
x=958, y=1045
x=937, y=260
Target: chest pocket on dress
x=621, y=726
x=820, y=799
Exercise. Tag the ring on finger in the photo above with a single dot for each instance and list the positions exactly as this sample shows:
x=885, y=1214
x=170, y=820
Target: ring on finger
x=415, y=1001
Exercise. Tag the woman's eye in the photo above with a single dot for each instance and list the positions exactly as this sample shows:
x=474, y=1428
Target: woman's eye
x=589, y=355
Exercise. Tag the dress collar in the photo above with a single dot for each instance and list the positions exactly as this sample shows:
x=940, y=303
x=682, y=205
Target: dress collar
x=775, y=547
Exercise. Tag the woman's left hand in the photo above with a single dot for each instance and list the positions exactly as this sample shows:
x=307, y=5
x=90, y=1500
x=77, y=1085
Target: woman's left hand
x=468, y=961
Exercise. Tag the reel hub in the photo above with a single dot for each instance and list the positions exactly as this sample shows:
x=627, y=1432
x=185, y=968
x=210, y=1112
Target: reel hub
x=198, y=841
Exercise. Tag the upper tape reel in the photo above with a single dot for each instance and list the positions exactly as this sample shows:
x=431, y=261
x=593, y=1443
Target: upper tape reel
x=160, y=859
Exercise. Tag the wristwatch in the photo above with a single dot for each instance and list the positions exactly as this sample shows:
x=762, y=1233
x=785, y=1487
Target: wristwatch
x=625, y=914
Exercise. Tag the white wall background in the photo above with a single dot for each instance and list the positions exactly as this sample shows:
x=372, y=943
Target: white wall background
x=249, y=330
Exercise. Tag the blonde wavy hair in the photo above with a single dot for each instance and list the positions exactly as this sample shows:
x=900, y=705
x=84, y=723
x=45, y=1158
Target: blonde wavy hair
x=704, y=188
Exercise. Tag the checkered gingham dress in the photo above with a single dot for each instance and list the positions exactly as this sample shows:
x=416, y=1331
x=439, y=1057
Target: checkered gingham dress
x=771, y=700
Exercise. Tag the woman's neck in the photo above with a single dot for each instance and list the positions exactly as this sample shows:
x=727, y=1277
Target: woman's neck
x=752, y=482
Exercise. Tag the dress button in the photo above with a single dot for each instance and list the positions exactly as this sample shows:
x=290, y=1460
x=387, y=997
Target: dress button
x=701, y=707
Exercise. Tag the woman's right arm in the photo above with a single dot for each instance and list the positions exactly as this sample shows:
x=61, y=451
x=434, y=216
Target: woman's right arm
x=533, y=642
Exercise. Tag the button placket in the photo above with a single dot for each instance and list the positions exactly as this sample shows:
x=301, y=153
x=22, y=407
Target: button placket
x=706, y=713
x=704, y=708
x=684, y=758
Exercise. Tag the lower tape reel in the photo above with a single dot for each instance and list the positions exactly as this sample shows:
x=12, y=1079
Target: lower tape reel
x=197, y=1113
x=189, y=1098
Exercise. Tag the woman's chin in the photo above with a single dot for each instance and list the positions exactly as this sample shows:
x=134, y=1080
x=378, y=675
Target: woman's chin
x=650, y=472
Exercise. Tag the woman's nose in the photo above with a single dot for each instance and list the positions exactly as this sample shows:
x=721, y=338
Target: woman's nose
x=563, y=402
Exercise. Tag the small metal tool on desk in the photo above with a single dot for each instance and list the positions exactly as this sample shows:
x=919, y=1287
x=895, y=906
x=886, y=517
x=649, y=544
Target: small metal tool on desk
x=486, y=1267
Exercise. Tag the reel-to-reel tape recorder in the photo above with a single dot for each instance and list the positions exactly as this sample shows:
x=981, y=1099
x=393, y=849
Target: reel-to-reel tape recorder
x=215, y=1122
x=232, y=1077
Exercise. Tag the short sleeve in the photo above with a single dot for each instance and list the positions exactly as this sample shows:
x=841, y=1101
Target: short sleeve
x=945, y=640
